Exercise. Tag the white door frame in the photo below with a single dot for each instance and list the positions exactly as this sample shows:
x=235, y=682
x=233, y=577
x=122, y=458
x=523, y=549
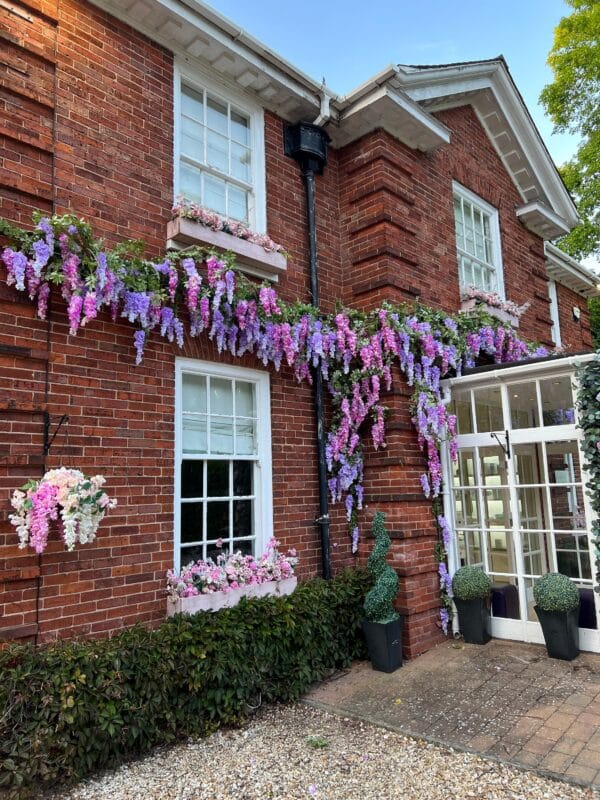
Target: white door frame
x=502, y=376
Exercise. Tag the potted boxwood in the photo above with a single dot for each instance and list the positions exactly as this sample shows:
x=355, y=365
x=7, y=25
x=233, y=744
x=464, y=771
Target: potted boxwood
x=557, y=607
x=471, y=590
x=382, y=625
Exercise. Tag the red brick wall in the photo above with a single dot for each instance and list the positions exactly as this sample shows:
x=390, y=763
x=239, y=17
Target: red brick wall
x=575, y=334
x=87, y=108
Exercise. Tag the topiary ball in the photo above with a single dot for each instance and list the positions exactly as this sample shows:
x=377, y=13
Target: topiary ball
x=470, y=583
x=555, y=592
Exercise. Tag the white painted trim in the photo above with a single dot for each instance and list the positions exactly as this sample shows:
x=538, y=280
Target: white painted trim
x=561, y=267
x=263, y=489
x=200, y=79
x=492, y=213
x=521, y=370
x=556, y=336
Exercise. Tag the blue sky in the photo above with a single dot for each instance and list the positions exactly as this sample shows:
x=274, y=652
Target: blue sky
x=346, y=42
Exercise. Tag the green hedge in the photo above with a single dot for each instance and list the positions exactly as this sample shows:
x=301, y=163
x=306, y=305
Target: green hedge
x=75, y=707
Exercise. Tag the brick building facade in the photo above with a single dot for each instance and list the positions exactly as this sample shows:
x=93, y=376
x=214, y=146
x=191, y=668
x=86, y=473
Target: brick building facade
x=93, y=111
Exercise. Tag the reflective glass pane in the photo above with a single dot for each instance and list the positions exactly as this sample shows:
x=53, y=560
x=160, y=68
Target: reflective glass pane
x=242, y=517
x=535, y=552
x=464, y=468
x=217, y=478
x=217, y=154
x=467, y=511
x=240, y=127
x=192, y=103
x=240, y=162
x=245, y=546
x=563, y=462
x=523, y=405
x=192, y=139
x=557, y=401
x=461, y=406
x=216, y=115
x=567, y=507
x=500, y=551
x=505, y=597
x=190, y=182
x=528, y=461
x=194, y=433
x=192, y=478
x=492, y=466
x=221, y=396
x=191, y=554
x=572, y=555
x=214, y=194
x=244, y=399
x=469, y=546
x=496, y=508
x=217, y=519
x=221, y=436
x=242, y=478
x=192, y=529
x=237, y=203
x=194, y=393
x=528, y=584
x=488, y=410
x=245, y=441
x=532, y=502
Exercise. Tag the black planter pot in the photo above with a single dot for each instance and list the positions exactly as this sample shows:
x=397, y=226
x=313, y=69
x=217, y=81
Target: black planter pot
x=384, y=641
x=474, y=620
x=561, y=632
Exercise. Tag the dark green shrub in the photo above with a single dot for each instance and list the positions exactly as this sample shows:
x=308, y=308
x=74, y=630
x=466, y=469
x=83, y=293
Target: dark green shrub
x=555, y=592
x=379, y=602
x=470, y=583
x=75, y=707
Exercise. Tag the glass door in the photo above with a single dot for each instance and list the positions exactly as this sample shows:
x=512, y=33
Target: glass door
x=517, y=498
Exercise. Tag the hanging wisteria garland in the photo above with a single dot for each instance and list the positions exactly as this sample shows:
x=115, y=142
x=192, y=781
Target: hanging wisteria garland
x=355, y=351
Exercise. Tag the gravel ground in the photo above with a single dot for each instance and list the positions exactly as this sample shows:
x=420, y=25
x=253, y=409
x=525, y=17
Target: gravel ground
x=297, y=752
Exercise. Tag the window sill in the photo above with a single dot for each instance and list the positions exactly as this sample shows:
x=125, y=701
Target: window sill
x=471, y=303
x=251, y=257
x=214, y=601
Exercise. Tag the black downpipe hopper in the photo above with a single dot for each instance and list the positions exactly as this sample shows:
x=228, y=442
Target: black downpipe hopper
x=307, y=144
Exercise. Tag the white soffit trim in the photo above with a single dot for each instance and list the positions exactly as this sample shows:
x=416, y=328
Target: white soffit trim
x=540, y=220
x=567, y=271
x=395, y=112
x=489, y=88
x=198, y=34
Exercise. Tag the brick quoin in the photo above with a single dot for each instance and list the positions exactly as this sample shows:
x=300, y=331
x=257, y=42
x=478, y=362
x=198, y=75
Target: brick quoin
x=86, y=105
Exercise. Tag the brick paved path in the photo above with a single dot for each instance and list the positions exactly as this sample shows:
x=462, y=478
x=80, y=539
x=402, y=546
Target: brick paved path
x=504, y=699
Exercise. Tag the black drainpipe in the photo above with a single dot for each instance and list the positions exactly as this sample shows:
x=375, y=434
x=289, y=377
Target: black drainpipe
x=308, y=145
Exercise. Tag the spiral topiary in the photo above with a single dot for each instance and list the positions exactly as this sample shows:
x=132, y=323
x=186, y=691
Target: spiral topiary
x=555, y=592
x=379, y=602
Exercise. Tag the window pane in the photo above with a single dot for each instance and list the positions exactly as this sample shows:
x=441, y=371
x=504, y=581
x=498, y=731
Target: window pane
x=245, y=437
x=217, y=519
x=240, y=128
x=242, y=478
x=192, y=529
x=461, y=406
x=464, y=469
x=557, y=401
x=242, y=517
x=567, y=507
x=488, y=410
x=194, y=433
x=469, y=546
x=245, y=546
x=192, y=139
x=496, y=508
x=244, y=399
x=492, y=466
x=237, y=203
x=190, y=182
x=216, y=115
x=194, y=393
x=221, y=396
x=214, y=194
x=563, y=462
x=500, y=551
x=191, y=554
x=523, y=405
x=191, y=478
x=221, y=436
x=217, y=478
x=467, y=511
x=192, y=103
x=240, y=162
x=217, y=151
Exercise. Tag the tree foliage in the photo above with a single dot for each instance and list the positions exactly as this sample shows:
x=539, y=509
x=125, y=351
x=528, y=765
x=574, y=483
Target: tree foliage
x=573, y=102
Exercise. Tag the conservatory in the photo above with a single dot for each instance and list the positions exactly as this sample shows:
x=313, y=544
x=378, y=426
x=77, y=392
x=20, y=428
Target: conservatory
x=516, y=493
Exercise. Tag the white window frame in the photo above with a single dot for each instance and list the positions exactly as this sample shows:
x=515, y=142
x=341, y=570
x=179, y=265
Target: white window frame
x=555, y=331
x=257, y=215
x=263, y=473
x=481, y=205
